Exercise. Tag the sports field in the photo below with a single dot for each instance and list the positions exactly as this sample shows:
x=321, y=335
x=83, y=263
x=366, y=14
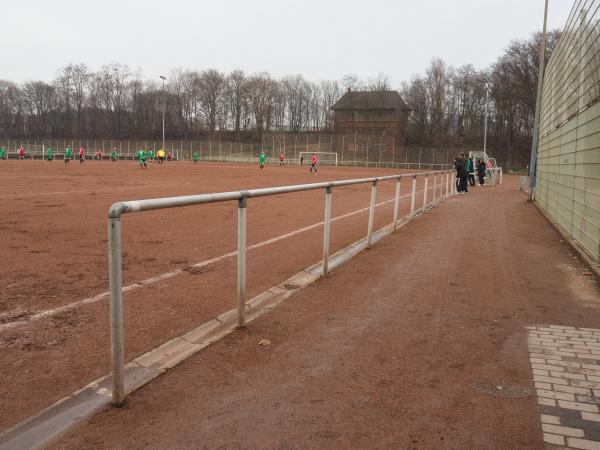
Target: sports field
x=178, y=266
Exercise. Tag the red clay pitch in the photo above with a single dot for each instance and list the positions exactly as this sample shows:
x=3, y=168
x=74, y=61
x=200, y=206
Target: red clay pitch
x=54, y=224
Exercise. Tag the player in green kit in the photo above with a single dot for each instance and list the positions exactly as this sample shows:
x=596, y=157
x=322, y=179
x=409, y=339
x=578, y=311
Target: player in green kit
x=142, y=159
x=2, y=153
x=67, y=155
x=150, y=156
x=114, y=156
x=196, y=157
x=49, y=154
x=262, y=159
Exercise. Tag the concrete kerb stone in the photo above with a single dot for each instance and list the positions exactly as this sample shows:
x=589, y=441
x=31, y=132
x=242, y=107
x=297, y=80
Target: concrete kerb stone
x=54, y=421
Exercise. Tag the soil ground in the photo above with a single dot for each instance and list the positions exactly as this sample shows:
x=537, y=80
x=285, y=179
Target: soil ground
x=54, y=253
x=405, y=346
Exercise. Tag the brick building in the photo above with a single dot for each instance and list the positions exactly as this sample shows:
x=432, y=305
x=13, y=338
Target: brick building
x=382, y=113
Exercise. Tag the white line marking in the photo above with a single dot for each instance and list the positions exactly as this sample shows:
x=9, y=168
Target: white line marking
x=96, y=298
x=87, y=191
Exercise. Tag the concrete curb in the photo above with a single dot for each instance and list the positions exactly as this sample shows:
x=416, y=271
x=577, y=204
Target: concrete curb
x=56, y=420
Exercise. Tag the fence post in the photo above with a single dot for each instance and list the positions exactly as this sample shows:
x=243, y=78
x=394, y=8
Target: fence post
x=413, y=196
x=326, y=230
x=434, y=187
x=241, y=269
x=396, y=203
x=447, y=184
x=372, y=212
x=116, y=311
x=425, y=191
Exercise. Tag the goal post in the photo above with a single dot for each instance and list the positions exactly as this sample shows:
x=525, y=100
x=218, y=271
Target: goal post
x=325, y=158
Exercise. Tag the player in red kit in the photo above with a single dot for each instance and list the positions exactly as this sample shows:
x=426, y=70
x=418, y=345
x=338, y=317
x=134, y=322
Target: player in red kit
x=314, y=162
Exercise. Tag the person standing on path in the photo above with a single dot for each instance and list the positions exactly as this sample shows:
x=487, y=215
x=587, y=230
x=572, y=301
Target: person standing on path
x=471, y=172
x=67, y=154
x=281, y=158
x=196, y=157
x=81, y=155
x=21, y=153
x=481, y=168
x=49, y=155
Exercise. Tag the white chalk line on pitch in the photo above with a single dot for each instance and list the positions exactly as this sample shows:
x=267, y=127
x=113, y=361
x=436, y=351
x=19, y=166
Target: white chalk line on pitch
x=96, y=298
x=88, y=191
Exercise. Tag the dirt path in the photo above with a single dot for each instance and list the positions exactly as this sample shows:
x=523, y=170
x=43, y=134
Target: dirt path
x=401, y=347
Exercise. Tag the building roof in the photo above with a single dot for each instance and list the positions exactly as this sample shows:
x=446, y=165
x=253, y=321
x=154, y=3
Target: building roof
x=371, y=100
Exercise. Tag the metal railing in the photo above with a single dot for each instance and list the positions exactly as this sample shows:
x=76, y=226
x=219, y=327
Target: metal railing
x=443, y=187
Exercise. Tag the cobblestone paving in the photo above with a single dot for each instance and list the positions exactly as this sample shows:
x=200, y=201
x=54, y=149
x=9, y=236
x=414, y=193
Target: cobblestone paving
x=566, y=371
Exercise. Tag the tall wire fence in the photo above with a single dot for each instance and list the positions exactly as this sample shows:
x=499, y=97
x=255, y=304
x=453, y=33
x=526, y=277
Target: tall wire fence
x=568, y=164
x=352, y=150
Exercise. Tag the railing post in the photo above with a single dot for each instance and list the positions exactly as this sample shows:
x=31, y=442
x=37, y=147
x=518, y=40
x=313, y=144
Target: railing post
x=413, y=196
x=326, y=230
x=396, y=203
x=434, y=187
x=115, y=275
x=425, y=191
x=241, y=269
x=372, y=212
x=447, y=184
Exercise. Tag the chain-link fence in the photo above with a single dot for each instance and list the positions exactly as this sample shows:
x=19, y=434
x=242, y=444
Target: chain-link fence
x=352, y=150
x=568, y=164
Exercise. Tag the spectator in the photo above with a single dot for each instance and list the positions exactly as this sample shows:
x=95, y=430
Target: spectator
x=481, y=171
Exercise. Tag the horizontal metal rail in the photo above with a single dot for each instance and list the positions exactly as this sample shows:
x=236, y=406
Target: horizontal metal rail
x=116, y=211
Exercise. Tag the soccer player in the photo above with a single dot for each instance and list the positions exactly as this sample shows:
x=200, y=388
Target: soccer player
x=21, y=153
x=81, y=155
x=2, y=153
x=196, y=157
x=67, y=154
x=314, y=162
x=49, y=155
x=142, y=159
x=150, y=156
x=281, y=158
x=161, y=156
x=262, y=158
x=169, y=155
x=114, y=156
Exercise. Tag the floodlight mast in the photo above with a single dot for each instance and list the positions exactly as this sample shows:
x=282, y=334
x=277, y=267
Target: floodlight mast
x=538, y=106
x=163, y=111
x=487, y=97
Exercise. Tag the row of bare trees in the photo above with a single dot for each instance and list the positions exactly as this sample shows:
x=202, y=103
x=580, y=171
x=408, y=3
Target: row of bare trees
x=448, y=104
x=116, y=102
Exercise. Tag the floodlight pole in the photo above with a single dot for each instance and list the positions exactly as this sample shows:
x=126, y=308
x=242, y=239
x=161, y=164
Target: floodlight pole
x=538, y=106
x=487, y=99
x=163, y=111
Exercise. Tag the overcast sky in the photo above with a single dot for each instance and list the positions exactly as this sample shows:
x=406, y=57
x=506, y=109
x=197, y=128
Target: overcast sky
x=321, y=39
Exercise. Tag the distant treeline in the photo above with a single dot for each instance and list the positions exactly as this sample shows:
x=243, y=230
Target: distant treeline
x=115, y=102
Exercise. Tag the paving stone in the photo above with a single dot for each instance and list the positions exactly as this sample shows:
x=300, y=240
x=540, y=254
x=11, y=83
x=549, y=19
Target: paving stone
x=544, y=386
x=546, y=401
x=588, y=399
x=571, y=389
x=586, y=384
x=565, y=431
x=554, y=439
x=554, y=420
x=556, y=395
x=578, y=406
x=590, y=416
x=547, y=367
x=553, y=380
x=571, y=376
x=583, y=444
